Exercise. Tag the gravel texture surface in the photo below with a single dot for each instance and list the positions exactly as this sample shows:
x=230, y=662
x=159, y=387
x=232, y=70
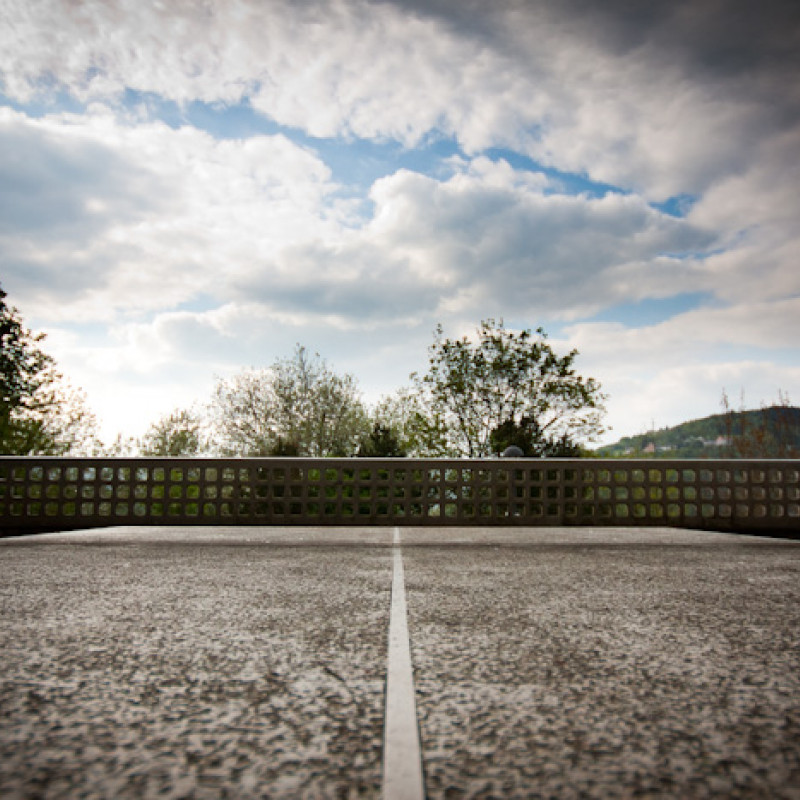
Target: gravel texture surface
x=180, y=671
x=608, y=671
x=299, y=535
x=250, y=663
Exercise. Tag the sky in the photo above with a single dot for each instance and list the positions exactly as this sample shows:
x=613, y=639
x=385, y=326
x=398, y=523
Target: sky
x=189, y=188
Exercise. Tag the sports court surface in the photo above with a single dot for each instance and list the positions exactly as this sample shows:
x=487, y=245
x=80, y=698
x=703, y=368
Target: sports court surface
x=274, y=662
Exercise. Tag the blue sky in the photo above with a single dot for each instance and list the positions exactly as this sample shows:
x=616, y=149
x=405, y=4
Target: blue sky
x=190, y=189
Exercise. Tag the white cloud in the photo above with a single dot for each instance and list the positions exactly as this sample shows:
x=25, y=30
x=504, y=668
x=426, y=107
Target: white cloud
x=255, y=220
x=488, y=237
x=643, y=401
x=537, y=77
x=156, y=216
x=756, y=210
x=678, y=369
x=491, y=236
x=252, y=224
x=140, y=370
x=194, y=255
x=696, y=336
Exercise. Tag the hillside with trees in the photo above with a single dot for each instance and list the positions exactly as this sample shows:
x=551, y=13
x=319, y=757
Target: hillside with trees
x=770, y=432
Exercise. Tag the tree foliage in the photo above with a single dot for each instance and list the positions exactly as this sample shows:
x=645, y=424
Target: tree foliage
x=179, y=433
x=505, y=382
x=40, y=413
x=298, y=406
x=479, y=396
x=404, y=414
x=382, y=442
x=527, y=436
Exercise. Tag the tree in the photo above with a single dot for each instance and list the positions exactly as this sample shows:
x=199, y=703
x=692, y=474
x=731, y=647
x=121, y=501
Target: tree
x=404, y=414
x=70, y=426
x=40, y=413
x=179, y=433
x=510, y=383
x=382, y=442
x=24, y=371
x=298, y=406
x=244, y=415
x=527, y=436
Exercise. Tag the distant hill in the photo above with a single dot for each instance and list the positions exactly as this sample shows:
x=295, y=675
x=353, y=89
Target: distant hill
x=772, y=432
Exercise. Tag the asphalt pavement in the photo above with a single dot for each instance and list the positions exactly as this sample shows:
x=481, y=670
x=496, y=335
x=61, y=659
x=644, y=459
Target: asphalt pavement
x=252, y=662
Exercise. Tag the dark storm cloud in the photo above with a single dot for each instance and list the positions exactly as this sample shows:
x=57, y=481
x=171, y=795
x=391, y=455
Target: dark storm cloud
x=752, y=46
x=720, y=36
x=745, y=50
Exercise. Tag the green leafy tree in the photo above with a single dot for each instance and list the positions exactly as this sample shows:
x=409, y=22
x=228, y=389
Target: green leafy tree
x=299, y=405
x=382, y=442
x=244, y=414
x=527, y=436
x=523, y=435
x=505, y=382
x=404, y=414
x=179, y=433
x=40, y=413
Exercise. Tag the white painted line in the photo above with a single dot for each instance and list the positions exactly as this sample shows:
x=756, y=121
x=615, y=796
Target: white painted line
x=402, y=759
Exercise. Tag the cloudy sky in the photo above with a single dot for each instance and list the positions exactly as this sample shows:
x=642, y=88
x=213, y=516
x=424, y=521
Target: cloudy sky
x=191, y=187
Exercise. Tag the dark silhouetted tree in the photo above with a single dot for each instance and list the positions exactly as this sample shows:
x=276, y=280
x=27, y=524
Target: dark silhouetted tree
x=40, y=413
x=382, y=442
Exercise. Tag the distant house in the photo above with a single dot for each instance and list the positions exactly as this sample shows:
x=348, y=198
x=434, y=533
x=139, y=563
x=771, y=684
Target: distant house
x=720, y=441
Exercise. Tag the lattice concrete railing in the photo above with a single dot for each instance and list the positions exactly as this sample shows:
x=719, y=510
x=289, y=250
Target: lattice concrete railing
x=39, y=493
